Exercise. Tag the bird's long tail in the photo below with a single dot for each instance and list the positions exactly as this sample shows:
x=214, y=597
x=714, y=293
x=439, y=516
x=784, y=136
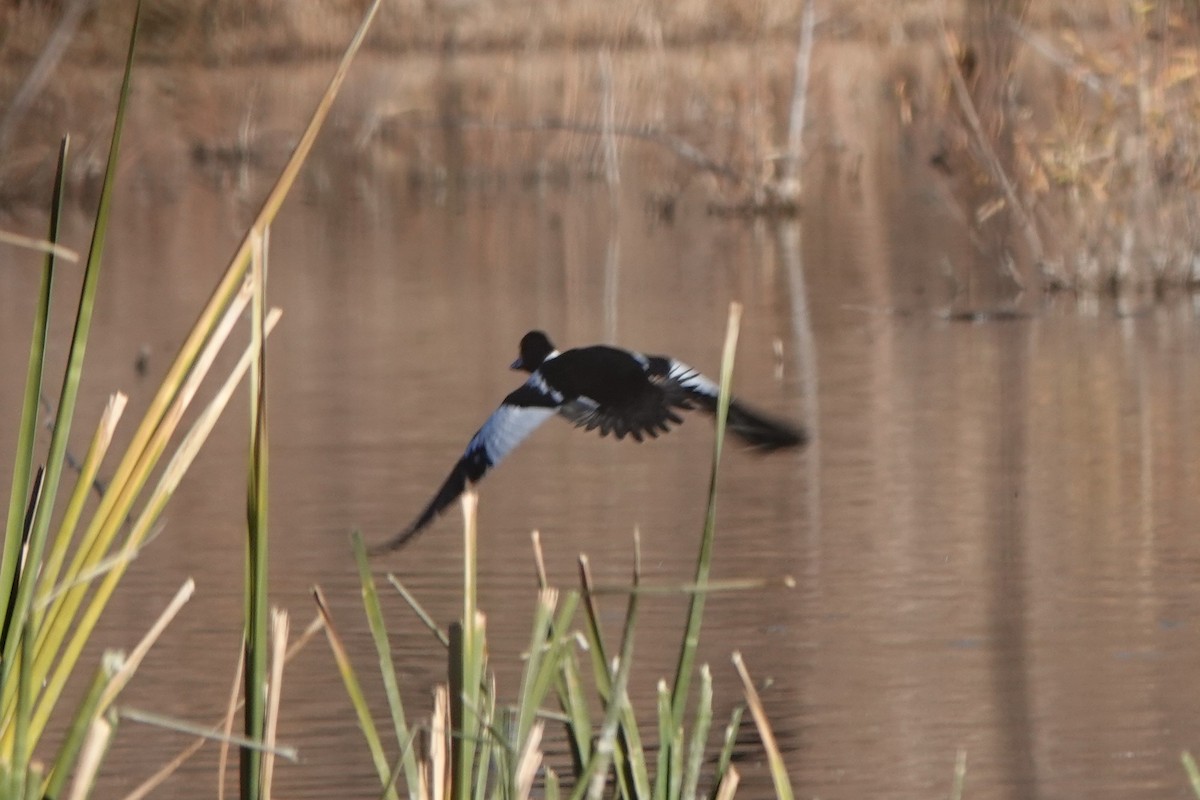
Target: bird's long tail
x=762, y=432
x=450, y=491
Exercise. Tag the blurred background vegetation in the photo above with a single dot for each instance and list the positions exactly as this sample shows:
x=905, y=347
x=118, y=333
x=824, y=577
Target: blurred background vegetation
x=1061, y=137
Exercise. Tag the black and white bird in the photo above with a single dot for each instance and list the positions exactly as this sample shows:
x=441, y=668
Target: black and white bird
x=618, y=391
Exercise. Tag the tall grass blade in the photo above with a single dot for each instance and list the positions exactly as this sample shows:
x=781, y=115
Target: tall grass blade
x=357, y=699
x=535, y=680
x=26, y=433
x=666, y=742
x=168, y=482
x=592, y=780
x=74, y=370
x=467, y=663
x=25, y=690
x=70, y=520
x=575, y=706
x=254, y=688
x=387, y=668
x=700, y=728
x=725, y=759
x=691, y=636
x=630, y=740
x=1193, y=772
x=68, y=752
x=22, y=535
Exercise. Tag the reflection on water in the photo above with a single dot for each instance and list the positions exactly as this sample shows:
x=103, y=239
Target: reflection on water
x=991, y=536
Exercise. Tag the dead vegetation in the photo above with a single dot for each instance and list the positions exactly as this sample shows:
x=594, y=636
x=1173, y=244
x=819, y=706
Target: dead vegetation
x=1062, y=137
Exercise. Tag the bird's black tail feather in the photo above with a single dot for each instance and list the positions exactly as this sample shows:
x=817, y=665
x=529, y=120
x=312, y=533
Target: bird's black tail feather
x=450, y=491
x=761, y=432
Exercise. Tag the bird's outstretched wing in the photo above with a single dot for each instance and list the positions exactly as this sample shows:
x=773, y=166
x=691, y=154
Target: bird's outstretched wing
x=646, y=413
x=689, y=388
x=517, y=417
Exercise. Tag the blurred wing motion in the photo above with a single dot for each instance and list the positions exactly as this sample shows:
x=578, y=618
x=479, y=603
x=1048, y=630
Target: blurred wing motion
x=760, y=431
x=616, y=391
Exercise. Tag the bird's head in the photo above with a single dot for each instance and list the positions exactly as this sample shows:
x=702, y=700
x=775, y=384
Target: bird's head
x=535, y=348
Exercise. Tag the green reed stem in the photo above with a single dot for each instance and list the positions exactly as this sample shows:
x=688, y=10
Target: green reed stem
x=691, y=638
x=27, y=432
x=74, y=371
x=254, y=687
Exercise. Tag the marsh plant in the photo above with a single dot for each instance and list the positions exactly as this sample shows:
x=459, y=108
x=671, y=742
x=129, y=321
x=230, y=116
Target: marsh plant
x=475, y=745
x=60, y=565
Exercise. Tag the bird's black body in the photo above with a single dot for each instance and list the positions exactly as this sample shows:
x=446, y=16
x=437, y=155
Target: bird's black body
x=617, y=391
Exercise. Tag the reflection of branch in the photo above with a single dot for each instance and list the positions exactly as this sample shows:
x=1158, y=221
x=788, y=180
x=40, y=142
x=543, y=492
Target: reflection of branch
x=799, y=102
x=991, y=160
x=676, y=144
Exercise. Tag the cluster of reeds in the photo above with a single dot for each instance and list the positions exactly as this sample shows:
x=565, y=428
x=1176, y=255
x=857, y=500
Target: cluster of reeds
x=56, y=581
x=476, y=746
x=1093, y=157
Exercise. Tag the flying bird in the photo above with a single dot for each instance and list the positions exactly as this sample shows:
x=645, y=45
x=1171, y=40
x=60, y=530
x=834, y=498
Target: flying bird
x=619, y=391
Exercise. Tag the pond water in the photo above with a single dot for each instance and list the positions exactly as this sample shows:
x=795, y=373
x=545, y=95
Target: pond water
x=991, y=537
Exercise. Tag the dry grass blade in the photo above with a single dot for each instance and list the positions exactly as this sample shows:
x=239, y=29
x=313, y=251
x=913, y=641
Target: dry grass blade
x=539, y=560
x=783, y=785
x=232, y=707
x=727, y=788
x=87, y=474
x=419, y=610
x=279, y=637
x=439, y=745
x=960, y=774
x=40, y=245
x=99, y=737
x=529, y=762
x=182, y=726
x=134, y=659
x=468, y=668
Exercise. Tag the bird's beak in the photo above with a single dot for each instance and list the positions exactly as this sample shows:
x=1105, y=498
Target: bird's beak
x=516, y=364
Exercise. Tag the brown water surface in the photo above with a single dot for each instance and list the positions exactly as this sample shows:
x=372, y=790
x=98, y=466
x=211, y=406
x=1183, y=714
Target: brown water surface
x=992, y=536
